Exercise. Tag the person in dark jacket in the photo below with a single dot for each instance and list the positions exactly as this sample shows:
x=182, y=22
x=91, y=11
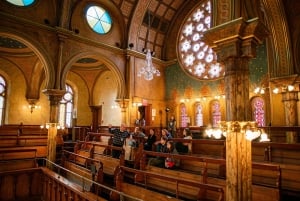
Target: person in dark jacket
x=150, y=140
x=120, y=134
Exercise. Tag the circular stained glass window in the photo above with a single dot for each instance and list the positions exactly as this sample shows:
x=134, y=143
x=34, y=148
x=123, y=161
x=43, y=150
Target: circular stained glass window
x=21, y=2
x=196, y=57
x=98, y=19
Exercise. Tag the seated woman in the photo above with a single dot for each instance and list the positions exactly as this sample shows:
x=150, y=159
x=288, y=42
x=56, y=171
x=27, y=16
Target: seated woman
x=150, y=140
x=161, y=147
x=171, y=162
x=185, y=147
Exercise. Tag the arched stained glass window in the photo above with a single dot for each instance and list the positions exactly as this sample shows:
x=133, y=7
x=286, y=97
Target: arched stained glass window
x=66, y=108
x=98, y=19
x=21, y=2
x=258, y=108
x=198, y=114
x=183, y=116
x=197, y=58
x=215, y=112
x=2, y=99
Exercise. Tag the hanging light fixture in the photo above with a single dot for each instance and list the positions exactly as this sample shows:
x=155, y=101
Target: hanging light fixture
x=148, y=71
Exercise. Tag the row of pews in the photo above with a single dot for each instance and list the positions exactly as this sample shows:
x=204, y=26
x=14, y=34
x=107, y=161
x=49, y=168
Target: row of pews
x=205, y=171
x=88, y=172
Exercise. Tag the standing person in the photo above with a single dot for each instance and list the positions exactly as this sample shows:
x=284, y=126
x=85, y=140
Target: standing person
x=120, y=134
x=150, y=140
x=172, y=126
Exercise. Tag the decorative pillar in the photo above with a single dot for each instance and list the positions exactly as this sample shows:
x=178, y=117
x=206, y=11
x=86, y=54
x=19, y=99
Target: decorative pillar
x=54, y=96
x=235, y=43
x=123, y=103
x=289, y=100
x=238, y=164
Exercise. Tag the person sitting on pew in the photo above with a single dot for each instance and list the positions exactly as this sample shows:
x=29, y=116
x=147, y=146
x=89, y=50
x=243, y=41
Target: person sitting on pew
x=185, y=147
x=118, y=139
x=161, y=147
x=150, y=140
x=138, y=135
x=171, y=162
x=166, y=133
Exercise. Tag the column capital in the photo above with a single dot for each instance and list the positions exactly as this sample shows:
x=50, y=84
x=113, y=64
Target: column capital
x=290, y=96
x=123, y=103
x=54, y=95
x=237, y=38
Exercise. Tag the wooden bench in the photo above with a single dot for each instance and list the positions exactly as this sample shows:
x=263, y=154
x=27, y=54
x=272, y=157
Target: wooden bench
x=167, y=187
x=109, y=164
x=264, y=189
x=92, y=172
x=14, y=159
x=64, y=188
x=104, y=138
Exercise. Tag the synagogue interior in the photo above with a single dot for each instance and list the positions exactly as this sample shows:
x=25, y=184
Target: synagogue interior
x=86, y=84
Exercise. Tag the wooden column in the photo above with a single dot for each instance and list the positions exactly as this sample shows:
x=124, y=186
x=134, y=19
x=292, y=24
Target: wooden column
x=290, y=99
x=238, y=163
x=54, y=96
x=235, y=43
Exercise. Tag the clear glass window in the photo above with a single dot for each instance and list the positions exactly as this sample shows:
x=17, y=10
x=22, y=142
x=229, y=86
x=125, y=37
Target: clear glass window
x=66, y=108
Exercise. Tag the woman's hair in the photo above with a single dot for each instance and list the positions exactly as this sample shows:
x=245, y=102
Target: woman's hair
x=165, y=130
x=188, y=132
x=172, y=146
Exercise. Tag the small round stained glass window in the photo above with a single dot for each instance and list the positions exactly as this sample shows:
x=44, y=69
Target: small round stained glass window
x=98, y=19
x=197, y=58
x=21, y=2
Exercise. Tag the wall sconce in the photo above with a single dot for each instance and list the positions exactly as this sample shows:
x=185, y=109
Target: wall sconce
x=48, y=125
x=259, y=90
x=115, y=106
x=250, y=130
x=32, y=106
x=184, y=100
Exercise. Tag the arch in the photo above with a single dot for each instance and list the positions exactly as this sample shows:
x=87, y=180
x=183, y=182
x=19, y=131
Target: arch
x=279, y=44
x=38, y=49
x=121, y=93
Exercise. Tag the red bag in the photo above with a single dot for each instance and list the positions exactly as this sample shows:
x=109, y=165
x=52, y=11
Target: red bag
x=169, y=163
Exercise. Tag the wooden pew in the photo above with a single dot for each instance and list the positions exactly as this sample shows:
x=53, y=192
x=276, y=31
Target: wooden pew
x=14, y=159
x=176, y=188
x=63, y=189
x=266, y=189
x=104, y=138
x=93, y=172
x=91, y=150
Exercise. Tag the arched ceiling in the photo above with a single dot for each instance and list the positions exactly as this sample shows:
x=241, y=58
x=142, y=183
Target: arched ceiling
x=163, y=15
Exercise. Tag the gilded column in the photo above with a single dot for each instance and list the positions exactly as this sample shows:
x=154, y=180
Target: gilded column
x=54, y=96
x=290, y=99
x=235, y=43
